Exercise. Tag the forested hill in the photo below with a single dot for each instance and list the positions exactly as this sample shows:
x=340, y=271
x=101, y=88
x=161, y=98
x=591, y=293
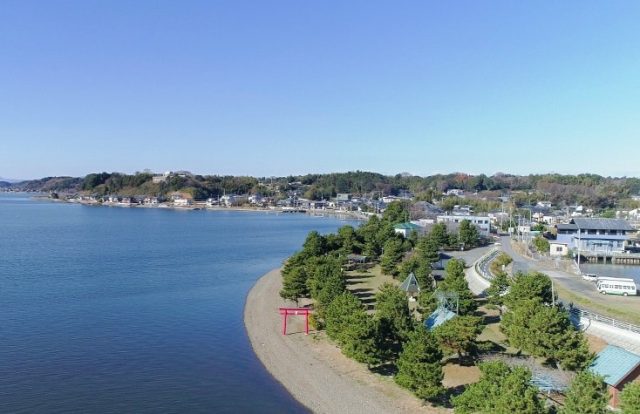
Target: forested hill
x=588, y=189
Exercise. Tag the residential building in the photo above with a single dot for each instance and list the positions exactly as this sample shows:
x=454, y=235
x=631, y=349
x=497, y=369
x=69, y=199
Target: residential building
x=558, y=249
x=483, y=223
x=595, y=235
x=618, y=367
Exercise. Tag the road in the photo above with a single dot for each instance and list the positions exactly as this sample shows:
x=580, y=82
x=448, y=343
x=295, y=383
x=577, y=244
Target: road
x=574, y=285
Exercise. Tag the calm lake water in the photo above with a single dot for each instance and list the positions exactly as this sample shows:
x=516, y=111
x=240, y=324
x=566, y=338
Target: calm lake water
x=112, y=310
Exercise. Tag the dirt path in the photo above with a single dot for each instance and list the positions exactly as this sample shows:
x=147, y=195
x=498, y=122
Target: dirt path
x=314, y=371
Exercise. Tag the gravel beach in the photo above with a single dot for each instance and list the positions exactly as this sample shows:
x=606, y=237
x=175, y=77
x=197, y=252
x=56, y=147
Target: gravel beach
x=313, y=370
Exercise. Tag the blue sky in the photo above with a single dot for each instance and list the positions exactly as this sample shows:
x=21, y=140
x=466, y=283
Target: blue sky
x=291, y=87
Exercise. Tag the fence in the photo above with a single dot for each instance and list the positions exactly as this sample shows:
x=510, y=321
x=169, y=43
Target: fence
x=582, y=313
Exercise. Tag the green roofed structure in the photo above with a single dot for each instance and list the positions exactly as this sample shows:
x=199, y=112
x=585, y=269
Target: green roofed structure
x=406, y=228
x=618, y=367
x=410, y=285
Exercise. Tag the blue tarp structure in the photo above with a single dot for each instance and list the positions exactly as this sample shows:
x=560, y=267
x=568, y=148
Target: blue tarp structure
x=437, y=318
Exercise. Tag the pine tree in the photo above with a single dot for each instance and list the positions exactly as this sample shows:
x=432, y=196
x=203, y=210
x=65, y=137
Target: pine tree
x=420, y=366
x=630, y=398
x=353, y=329
x=498, y=289
x=454, y=281
x=468, y=234
x=391, y=256
x=459, y=334
x=500, y=390
x=393, y=316
x=587, y=395
x=439, y=235
x=294, y=284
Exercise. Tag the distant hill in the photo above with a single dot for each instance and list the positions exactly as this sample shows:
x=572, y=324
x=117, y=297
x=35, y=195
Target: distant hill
x=589, y=190
x=5, y=184
x=49, y=184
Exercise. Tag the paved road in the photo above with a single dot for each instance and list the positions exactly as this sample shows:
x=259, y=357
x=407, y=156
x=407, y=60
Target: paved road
x=611, y=335
x=569, y=281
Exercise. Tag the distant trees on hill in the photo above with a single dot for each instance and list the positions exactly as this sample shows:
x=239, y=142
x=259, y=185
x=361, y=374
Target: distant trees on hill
x=587, y=189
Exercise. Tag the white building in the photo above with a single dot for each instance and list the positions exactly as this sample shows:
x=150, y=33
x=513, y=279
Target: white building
x=557, y=249
x=483, y=223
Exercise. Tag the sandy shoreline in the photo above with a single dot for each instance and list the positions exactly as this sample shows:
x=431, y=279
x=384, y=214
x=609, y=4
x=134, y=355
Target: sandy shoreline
x=313, y=370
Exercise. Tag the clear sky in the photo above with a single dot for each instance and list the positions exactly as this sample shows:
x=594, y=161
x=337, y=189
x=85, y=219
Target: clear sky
x=291, y=87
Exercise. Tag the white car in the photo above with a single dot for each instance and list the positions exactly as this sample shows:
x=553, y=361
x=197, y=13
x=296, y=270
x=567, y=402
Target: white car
x=590, y=277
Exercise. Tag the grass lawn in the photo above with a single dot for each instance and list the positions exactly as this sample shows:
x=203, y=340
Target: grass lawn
x=365, y=284
x=616, y=310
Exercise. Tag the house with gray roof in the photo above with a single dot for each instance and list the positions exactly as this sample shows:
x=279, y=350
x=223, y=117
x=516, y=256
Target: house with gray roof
x=595, y=235
x=618, y=367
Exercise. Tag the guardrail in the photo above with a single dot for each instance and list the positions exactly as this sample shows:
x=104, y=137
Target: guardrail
x=582, y=313
x=480, y=264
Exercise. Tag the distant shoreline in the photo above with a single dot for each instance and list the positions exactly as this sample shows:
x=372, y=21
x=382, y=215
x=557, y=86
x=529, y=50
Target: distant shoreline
x=352, y=215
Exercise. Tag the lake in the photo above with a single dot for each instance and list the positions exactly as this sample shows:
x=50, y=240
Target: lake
x=111, y=310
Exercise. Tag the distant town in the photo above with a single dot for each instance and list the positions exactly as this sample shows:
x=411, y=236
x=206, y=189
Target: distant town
x=558, y=208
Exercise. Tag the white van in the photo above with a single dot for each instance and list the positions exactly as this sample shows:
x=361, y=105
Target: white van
x=616, y=286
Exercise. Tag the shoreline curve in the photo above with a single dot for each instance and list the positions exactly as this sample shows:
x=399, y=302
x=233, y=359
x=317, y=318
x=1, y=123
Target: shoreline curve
x=313, y=370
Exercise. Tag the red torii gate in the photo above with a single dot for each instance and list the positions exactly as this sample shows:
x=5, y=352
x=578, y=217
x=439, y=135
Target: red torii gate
x=295, y=311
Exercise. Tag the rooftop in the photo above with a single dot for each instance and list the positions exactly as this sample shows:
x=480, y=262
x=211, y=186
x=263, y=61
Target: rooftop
x=615, y=364
x=602, y=224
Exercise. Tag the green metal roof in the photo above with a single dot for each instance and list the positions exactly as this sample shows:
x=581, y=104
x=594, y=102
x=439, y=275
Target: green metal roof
x=614, y=364
x=406, y=226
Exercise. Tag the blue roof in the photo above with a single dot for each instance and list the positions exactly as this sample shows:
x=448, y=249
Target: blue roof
x=438, y=317
x=614, y=364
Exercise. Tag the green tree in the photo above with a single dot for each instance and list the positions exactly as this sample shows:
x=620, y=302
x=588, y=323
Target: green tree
x=353, y=329
x=468, y=234
x=368, y=233
x=532, y=285
x=500, y=390
x=420, y=366
x=454, y=281
x=427, y=249
x=439, y=235
x=294, y=284
x=392, y=256
x=630, y=398
x=498, y=289
x=348, y=239
x=393, y=315
x=396, y=212
x=314, y=245
x=459, y=334
x=587, y=395
x=546, y=331
x=541, y=244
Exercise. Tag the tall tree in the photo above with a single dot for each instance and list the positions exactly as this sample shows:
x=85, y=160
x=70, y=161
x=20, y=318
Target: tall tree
x=630, y=398
x=500, y=390
x=314, y=245
x=392, y=256
x=454, y=281
x=468, y=234
x=294, y=284
x=587, y=395
x=427, y=249
x=459, y=335
x=439, y=235
x=498, y=289
x=394, y=317
x=353, y=329
x=396, y=212
x=533, y=285
x=546, y=331
x=420, y=366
